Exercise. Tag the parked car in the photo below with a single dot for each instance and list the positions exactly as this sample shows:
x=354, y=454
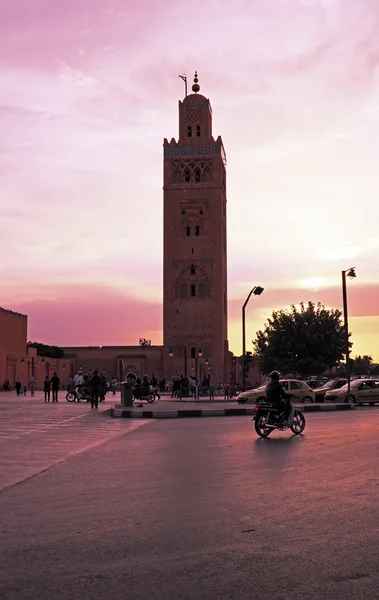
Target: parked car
x=299, y=389
x=361, y=391
x=332, y=384
x=315, y=383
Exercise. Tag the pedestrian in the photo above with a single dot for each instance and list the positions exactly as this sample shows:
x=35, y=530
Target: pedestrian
x=154, y=385
x=103, y=386
x=25, y=389
x=18, y=386
x=113, y=385
x=46, y=388
x=95, y=389
x=32, y=385
x=55, y=384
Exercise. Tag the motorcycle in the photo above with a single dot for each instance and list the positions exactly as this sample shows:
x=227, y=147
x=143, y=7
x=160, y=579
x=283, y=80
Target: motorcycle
x=268, y=418
x=150, y=397
x=84, y=396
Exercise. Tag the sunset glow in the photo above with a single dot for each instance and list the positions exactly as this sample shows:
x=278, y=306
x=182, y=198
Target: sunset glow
x=88, y=92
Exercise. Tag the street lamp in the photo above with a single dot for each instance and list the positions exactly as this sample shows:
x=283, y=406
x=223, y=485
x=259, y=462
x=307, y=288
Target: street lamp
x=257, y=290
x=199, y=355
x=350, y=273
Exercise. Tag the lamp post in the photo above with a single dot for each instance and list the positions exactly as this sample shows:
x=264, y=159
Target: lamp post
x=199, y=355
x=257, y=290
x=350, y=273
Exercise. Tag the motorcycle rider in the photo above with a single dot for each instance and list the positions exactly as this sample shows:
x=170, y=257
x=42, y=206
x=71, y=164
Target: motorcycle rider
x=277, y=397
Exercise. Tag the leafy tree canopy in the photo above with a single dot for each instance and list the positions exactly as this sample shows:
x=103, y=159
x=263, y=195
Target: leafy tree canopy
x=307, y=341
x=362, y=365
x=45, y=350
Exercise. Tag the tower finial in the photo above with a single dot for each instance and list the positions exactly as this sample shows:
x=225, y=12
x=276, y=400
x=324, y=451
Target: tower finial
x=195, y=87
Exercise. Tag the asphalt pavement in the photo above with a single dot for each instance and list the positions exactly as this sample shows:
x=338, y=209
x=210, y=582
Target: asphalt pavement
x=191, y=509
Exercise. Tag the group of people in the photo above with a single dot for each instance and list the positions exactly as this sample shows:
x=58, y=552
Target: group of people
x=190, y=383
x=92, y=385
x=142, y=387
x=50, y=385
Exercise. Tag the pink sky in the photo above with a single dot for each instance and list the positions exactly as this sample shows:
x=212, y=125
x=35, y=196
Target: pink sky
x=89, y=89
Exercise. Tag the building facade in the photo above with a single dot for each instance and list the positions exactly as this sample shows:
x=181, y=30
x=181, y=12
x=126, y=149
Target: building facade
x=18, y=360
x=195, y=253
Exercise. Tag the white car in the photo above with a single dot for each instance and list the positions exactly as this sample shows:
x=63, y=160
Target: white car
x=300, y=391
x=361, y=391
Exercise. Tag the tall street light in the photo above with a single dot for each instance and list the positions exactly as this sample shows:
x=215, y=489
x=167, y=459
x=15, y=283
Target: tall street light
x=257, y=290
x=350, y=273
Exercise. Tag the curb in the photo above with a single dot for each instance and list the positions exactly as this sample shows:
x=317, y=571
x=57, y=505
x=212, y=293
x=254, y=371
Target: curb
x=134, y=413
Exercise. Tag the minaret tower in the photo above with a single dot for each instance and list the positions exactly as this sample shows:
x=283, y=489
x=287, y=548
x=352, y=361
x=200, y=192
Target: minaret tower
x=195, y=259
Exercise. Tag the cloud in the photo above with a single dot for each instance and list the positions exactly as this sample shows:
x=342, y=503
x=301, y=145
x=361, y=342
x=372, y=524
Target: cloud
x=89, y=90
x=91, y=315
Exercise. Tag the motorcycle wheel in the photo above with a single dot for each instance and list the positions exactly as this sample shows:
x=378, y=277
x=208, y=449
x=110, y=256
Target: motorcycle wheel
x=70, y=397
x=298, y=423
x=150, y=398
x=261, y=427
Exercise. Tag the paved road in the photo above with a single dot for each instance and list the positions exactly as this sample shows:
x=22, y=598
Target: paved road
x=199, y=509
x=34, y=436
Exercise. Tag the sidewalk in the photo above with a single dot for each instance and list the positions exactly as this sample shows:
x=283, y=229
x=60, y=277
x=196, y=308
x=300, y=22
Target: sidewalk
x=171, y=409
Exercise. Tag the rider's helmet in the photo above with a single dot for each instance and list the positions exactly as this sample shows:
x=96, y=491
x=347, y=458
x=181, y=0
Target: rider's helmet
x=275, y=375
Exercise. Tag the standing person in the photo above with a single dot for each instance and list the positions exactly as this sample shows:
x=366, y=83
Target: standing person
x=18, y=386
x=95, y=389
x=46, y=388
x=32, y=385
x=55, y=384
x=154, y=385
x=103, y=386
x=113, y=385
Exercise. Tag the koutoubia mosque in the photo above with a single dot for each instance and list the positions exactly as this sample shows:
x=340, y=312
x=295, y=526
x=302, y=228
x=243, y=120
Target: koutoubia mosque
x=195, y=299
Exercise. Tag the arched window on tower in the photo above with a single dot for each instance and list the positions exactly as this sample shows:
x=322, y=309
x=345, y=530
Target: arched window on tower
x=177, y=176
x=188, y=231
x=193, y=352
x=189, y=131
x=197, y=175
x=187, y=175
x=207, y=175
x=193, y=290
x=193, y=269
x=198, y=131
x=197, y=230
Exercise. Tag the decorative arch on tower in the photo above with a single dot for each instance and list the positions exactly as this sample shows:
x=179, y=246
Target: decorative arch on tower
x=192, y=171
x=192, y=282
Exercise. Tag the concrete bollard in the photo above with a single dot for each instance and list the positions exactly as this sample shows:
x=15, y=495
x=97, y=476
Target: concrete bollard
x=127, y=393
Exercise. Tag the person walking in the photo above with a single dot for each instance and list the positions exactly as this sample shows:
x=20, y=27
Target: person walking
x=32, y=385
x=55, y=385
x=95, y=389
x=18, y=386
x=154, y=385
x=103, y=386
x=47, y=388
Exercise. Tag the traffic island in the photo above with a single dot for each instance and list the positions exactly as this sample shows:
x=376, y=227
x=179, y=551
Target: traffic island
x=166, y=410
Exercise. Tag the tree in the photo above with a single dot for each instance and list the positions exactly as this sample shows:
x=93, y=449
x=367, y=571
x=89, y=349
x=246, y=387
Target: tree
x=307, y=341
x=45, y=350
x=362, y=365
